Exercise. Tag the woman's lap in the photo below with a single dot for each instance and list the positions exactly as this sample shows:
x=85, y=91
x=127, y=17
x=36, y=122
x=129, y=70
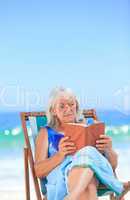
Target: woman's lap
x=90, y=157
x=86, y=157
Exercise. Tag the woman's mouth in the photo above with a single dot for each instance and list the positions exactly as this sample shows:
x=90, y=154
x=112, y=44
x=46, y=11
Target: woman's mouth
x=68, y=115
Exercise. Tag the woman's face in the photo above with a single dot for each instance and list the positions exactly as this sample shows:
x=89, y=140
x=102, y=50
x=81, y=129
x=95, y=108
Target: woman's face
x=65, y=109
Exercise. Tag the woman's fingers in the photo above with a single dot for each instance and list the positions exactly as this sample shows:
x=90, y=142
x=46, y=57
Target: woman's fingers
x=68, y=144
x=101, y=148
x=66, y=141
x=63, y=140
x=103, y=136
x=69, y=149
x=101, y=145
x=102, y=141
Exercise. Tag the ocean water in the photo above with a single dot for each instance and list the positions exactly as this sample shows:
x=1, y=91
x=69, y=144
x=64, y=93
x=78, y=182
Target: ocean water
x=12, y=143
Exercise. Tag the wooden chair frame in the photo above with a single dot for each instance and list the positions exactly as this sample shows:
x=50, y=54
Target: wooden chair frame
x=28, y=155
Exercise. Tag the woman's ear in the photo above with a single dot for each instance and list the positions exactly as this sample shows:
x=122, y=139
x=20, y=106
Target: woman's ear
x=54, y=111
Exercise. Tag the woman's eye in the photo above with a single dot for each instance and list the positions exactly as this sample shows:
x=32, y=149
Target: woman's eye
x=62, y=106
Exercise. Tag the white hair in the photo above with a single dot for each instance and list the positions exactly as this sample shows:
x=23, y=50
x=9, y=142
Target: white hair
x=54, y=95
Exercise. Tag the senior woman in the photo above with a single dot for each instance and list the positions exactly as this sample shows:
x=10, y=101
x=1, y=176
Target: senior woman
x=73, y=177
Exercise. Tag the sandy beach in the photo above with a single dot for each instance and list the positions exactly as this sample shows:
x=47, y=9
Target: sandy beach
x=20, y=195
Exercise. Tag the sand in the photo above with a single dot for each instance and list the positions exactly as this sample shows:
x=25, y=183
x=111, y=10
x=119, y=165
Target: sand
x=20, y=195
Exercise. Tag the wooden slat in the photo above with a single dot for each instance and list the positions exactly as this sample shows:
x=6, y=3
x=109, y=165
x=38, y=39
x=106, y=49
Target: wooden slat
x=30, y=158
x=90, y=113
x=86, y=112
x=25, y=115
x=26, y=169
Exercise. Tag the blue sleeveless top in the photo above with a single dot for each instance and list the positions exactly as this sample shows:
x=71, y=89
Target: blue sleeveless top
x=54, y=186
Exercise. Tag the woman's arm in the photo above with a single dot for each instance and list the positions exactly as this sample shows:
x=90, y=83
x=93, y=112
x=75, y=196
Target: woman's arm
x=43, y=165
x=112, y=156
x=104, y=144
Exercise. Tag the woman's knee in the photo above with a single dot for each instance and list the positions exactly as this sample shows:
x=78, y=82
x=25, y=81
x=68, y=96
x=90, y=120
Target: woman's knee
x=93, y=184
x=76, y=172
x=73, y=177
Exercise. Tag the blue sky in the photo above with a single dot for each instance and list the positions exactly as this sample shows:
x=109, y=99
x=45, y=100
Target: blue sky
x=83, y=45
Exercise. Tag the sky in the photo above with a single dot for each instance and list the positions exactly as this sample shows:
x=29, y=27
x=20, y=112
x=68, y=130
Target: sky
x=83, y=45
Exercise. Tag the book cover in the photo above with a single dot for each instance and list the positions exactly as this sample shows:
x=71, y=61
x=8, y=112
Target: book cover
x=84, y=135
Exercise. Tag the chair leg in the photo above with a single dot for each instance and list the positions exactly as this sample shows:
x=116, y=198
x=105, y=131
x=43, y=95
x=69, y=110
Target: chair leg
x=112, y=197
x=44, y=198
x=26, y=168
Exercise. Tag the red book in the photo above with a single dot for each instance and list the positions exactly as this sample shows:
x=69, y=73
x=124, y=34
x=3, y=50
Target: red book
x=84, y=135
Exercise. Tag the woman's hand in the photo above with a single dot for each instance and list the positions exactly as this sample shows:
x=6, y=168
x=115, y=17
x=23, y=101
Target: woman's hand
x=104, y=143
x=66, y=146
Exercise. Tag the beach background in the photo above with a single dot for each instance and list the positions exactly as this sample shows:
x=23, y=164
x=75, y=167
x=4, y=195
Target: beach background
x=83, y=45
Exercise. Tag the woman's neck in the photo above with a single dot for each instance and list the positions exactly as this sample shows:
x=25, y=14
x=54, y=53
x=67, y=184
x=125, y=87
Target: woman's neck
x=60, y=127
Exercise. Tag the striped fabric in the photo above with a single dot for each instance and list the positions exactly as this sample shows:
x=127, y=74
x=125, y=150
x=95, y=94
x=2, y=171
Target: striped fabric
x=35, y=124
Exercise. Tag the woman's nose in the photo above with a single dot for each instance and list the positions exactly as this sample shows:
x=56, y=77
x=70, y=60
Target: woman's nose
x=68, y=108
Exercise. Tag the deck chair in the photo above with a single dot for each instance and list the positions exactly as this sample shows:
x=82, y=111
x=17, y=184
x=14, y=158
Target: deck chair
x=31, y=123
